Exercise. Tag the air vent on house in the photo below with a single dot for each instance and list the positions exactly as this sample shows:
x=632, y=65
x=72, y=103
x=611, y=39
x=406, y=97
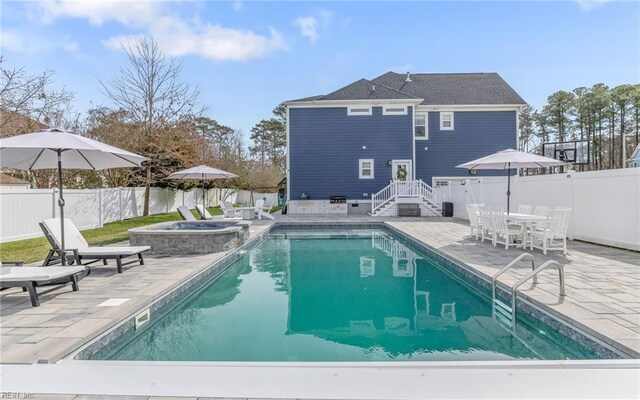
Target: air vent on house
x=408, y=79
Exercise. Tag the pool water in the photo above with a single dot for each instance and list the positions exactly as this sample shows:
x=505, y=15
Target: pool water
x=337, y=295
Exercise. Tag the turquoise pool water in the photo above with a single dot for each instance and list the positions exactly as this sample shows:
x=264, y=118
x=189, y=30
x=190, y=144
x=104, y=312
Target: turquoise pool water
x=337, y=295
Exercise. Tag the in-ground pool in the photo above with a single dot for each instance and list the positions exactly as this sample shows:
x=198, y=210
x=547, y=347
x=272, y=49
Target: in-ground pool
x=337, y=295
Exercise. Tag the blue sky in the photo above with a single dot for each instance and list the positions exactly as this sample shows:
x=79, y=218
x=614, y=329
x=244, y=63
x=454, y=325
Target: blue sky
x=247, y=57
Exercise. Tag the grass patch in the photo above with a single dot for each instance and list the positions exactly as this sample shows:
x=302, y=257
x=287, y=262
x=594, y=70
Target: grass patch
x=32, y=250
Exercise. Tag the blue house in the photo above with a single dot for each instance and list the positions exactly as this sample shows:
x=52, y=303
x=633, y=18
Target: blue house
x=390, y=140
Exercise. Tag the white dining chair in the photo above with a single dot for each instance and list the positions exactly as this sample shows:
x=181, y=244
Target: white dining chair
x=524, y=209
x=503, y=233
x=552, y=235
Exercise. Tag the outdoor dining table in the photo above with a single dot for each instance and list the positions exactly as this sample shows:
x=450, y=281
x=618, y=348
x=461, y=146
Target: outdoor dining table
x=525, y=220
x=246, y=213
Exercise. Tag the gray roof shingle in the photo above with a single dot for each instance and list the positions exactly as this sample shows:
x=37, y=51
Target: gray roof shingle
x=435, y=89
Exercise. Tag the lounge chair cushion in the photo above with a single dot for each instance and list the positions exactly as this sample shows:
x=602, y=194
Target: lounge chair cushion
x=37, y=274
x=73, y=239
x=112, y=250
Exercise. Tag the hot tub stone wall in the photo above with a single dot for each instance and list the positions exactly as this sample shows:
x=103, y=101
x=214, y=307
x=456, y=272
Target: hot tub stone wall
x=170, y=242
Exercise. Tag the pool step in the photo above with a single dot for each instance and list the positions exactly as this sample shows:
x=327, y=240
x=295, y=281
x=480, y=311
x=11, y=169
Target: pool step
x=503, y=313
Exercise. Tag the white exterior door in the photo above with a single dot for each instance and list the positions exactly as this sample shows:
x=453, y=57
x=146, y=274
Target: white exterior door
x=402, y=171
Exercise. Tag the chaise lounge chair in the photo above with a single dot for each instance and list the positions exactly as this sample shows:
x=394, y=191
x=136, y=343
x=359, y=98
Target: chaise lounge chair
x=75, y=243
x=185, y=213
x=204, y=213
x=29, y=278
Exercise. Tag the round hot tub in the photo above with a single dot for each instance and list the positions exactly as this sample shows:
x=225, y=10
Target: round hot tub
x=190, y=237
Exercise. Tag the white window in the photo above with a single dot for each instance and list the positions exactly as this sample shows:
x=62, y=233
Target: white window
x=394, y=110
x=359, y=110
x=366, y=168
x=420, y=126
x=446, y=121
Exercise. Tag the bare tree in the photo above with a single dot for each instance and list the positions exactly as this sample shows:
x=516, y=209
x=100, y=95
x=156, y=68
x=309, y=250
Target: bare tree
x=149, y=89
x=24, y=95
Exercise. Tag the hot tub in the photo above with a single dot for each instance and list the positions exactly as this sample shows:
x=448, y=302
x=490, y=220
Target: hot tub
x=190, y=237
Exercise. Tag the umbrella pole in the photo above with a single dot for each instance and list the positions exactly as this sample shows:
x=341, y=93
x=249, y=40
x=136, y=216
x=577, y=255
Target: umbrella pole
x=63, y=256
x=508, y=186
x=204, y=207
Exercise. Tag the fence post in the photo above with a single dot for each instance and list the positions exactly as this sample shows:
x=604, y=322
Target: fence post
x=100, y=205
x=120, y=203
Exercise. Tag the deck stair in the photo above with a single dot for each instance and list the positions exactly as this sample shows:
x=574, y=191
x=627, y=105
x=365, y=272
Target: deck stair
x=506, y=314
x=385, y=202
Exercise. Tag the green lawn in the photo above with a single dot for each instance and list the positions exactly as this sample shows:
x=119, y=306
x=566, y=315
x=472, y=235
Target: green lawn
x=31, y=250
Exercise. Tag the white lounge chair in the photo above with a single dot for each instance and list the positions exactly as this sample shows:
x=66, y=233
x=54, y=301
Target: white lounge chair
x=74, y=242
x=228, y=210
x=185, y=213
x=29, y=278
x=204, y=213
x=552, y=234
x=259, y=207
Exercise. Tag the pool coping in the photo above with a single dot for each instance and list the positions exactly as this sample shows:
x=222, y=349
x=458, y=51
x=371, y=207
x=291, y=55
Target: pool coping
x=603, y=346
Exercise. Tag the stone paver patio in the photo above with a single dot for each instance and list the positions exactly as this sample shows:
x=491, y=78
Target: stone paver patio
x=66, y=319
x=603, y=289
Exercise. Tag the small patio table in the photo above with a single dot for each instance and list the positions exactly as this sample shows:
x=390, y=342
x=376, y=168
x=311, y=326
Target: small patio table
x=524, y=220
x=246, y=213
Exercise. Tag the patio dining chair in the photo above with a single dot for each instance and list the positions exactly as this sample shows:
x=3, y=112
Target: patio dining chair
x=503, y=233
x=485, y=221
x=552, y=235
x=524, y=209
x=474, y=221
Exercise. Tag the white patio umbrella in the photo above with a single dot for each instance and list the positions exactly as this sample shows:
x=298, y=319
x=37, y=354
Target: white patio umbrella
x=55, y=148
x=202, y=172
x=508, y=159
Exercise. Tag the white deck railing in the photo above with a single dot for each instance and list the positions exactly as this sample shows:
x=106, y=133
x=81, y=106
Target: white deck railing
x=416, y=189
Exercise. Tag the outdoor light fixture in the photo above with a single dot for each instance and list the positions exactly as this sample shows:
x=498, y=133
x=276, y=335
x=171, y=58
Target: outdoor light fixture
x=472, y=172
x=364, y=147
x=389, y=162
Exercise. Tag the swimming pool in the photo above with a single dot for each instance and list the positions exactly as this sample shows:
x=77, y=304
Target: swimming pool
x=337, y=295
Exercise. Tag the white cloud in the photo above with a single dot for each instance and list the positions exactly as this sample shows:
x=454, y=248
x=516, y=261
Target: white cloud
x=97, y=12
x=33, y=43
x=308, y=27
x=588, y=5
x=175, y=35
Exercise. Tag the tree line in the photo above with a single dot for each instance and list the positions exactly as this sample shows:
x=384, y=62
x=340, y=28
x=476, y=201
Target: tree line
x=608, y=119
x=153, y=113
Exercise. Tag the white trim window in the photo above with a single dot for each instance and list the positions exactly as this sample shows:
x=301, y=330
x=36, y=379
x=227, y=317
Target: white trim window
x=394, y=110
x=446, y=120
x=420, y=130
x=365, y=168
x=359, y=110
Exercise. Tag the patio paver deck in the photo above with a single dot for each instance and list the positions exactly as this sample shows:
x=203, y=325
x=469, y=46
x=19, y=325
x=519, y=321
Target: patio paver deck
x=66, y=319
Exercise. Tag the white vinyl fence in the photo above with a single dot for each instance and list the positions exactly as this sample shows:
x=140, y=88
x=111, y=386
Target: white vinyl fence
x=22, y=209
x=605, y=204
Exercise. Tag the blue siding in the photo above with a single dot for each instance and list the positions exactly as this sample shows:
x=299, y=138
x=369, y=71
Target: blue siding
x=476, y=134
x=325, y=145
